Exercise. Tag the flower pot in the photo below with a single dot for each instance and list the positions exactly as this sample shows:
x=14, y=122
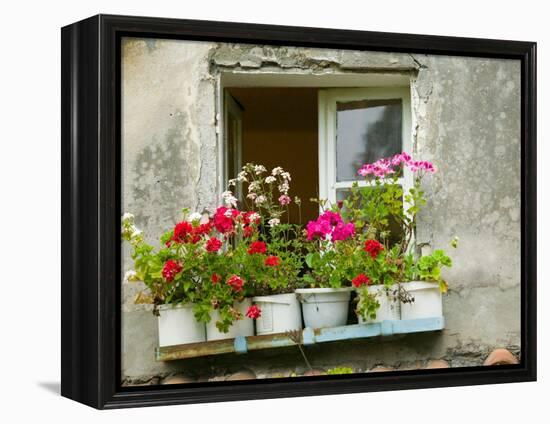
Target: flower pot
x=390, y=307
x=280, y=313
x=241, y=327
x=427, y=300
x=324, y=307
x=177, y=325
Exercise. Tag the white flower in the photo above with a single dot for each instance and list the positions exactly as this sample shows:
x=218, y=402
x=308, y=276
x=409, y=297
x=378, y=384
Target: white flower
x=128, y=217
x=135, y=235
x=195, y=217
x=286, y=175
x=241, y=176
x=276, y=171
x=258, y=169
x=251, y=196
x=134, y=231
x=254, y=216
x=130, y=275
x=254, y=185
x=273, y=222
x=270, y=180
x=232, y=182
x=260, y=199
x=228, y=213
x=284, y=187
x=229, y=199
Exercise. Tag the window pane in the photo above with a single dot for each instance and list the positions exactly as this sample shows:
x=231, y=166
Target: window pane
x=366, y=130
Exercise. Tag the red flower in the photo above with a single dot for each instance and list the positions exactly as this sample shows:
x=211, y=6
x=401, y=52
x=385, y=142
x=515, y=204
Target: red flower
x=203, y=229
x=235, y=282
x=374, y=247
x=223, y=222
x=215, y=278
x=170, y=269
x=248, y=230
x=254, y=312
x=257, y=247
x=272, y=261
x=361, y=280
x=213, y=244
x=182, y=231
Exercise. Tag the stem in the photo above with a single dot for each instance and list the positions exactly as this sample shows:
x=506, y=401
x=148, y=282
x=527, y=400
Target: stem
x=304, y=356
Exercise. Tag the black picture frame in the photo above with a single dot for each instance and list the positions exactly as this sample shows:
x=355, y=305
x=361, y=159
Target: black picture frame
x=91, y=210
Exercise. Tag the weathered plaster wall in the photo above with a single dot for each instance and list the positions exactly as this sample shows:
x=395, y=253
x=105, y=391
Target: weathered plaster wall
x=169, y=160
x=466, y=113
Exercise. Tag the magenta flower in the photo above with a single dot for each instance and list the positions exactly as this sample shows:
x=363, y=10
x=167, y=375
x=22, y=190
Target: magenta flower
x=343, y=231
x=318, y=229
x=388, y=166
x=332, y=217
x=330, y=223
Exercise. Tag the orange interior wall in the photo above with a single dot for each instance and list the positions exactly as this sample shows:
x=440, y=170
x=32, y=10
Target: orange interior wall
x=280, y=128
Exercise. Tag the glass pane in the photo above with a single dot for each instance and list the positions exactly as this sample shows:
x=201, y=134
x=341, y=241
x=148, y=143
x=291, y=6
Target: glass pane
x=366, y=130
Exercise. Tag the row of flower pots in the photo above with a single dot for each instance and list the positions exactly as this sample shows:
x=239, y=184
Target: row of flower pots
x=319, y=308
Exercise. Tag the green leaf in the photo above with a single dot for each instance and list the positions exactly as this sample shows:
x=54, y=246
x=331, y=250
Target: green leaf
x=309, y=278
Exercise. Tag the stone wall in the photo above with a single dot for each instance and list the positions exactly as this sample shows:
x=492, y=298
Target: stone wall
x=466, y=119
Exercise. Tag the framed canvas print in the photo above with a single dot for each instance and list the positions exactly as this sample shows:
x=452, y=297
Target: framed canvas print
x=255, y=211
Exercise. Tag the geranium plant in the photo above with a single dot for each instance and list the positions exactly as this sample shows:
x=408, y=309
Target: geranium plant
x=277, y=267
x=374, y=208
x=215, y=261
x=171, y=273
x=331, y=247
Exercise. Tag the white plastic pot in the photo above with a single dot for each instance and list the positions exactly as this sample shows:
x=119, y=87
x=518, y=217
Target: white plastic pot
x=177, y=325
x=280, y=313
x=241, y=327
x=427, y=300
x=390, y=307
x=324, y=307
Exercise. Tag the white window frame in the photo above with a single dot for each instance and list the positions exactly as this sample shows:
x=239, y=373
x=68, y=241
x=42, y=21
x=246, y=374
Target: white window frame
x=233, y=109
x=327, y=133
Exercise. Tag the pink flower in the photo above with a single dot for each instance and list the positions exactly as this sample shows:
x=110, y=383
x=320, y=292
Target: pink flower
x=254, y=312
x=343, y=231
x=329, y=223
x=332, y=217
x=318, y=229
x=284, y=200
x=401, y=158
x=422, y=165
x=387, y=166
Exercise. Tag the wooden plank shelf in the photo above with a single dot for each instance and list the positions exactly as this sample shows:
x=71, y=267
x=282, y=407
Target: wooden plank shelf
x=309, y=336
